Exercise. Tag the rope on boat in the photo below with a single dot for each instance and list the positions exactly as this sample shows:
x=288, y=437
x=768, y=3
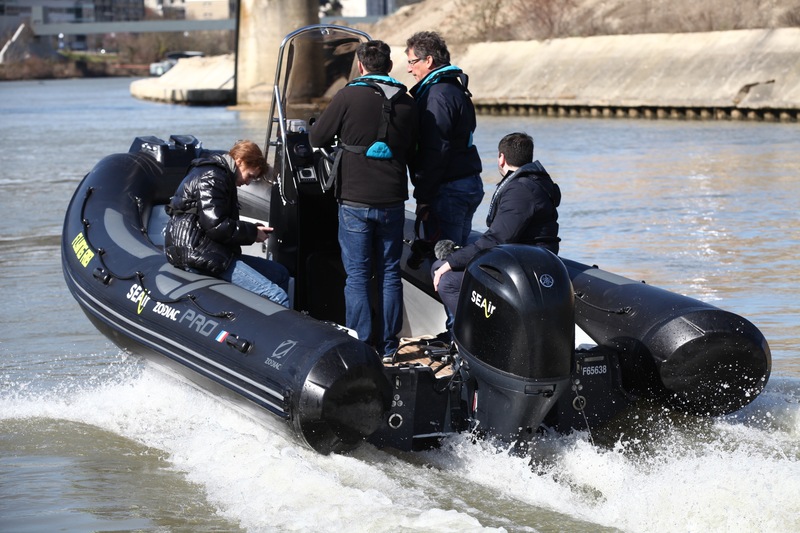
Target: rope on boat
x=618, y=311
x=105, y=274
x=142, y=228
x=455, y=378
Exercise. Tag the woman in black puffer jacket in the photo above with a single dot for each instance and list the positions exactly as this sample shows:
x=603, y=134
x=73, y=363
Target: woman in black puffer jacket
x=205, y=235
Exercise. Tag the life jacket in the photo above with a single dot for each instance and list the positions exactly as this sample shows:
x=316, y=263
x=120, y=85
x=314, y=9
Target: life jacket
x=444, y=73
x=391, y=89
x=448, y=71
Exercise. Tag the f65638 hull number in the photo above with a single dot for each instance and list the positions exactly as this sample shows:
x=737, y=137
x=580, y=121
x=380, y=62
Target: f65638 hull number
x=594, y=370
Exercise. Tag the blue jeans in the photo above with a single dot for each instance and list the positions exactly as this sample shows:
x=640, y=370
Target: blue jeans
x=452, y=210
x=261, y=276
x=372, y=242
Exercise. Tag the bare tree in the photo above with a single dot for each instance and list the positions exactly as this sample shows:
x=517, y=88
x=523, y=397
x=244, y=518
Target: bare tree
x=539, y=19
x=481, y=20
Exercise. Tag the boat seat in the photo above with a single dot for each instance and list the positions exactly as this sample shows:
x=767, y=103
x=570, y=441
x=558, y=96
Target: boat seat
x=157, y=225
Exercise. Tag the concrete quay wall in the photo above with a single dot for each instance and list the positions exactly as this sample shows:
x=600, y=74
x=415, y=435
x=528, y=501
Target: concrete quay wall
x=193, y=81
x=733, y=74
x=744, y=74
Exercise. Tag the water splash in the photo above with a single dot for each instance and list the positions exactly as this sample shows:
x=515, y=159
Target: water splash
x=654, y=470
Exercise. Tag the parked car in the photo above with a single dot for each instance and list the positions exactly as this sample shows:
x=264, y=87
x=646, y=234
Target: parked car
x=170, y=60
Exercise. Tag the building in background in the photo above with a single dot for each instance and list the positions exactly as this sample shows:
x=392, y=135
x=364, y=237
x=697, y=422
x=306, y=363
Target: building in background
x=372, y=9
x=15, y=12
x=210, y=9
x=168, y=9
x=118, y=10
x=33, y=13
x=37, y=12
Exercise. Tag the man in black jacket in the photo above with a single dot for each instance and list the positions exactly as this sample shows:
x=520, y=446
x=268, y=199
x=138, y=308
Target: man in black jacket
x=375, y=122
x=204, y=233
x=523, y=210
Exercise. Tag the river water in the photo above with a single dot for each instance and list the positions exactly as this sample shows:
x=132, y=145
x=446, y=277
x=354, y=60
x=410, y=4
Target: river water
x=92, y=439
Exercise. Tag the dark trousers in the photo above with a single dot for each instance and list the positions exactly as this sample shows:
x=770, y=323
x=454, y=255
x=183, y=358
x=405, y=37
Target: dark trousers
x=449, y=287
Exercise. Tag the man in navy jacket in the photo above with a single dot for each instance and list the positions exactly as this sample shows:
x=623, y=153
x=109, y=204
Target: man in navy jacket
x=447, y=182
x=523, y=210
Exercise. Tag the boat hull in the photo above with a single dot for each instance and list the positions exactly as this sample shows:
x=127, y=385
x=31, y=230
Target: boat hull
x=516, y=367
x=332, y=390
x=327, y=385
x=688, y=353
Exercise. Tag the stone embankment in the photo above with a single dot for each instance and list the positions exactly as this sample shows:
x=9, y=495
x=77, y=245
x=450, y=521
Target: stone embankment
x=743, y=74
x=733, y=74
x=193, y=80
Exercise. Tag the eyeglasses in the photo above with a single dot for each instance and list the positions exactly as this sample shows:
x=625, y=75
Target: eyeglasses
x=414, y=61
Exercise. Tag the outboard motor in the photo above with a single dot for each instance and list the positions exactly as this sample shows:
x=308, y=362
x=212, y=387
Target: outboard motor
x=515, y=331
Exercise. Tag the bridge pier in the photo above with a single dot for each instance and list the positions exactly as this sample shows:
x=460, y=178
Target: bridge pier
x=262, y=26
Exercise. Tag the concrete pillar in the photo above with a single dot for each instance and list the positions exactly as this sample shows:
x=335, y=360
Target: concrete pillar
x=262, y=26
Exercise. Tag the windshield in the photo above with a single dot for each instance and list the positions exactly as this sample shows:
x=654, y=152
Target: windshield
x=314, y=63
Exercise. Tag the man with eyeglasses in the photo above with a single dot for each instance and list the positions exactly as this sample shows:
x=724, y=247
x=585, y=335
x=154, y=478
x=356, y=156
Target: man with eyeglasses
x=447, y=183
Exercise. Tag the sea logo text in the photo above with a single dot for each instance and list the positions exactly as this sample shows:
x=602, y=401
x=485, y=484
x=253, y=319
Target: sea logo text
x=487, y=306
x=82, y=250
x=140, y=296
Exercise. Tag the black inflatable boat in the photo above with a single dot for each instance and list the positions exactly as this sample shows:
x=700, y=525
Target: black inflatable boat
x=516, y=368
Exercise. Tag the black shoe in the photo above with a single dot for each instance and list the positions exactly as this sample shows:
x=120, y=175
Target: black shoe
x=444, y=337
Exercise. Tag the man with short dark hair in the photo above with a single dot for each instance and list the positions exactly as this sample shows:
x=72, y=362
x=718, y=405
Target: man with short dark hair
x=375, y=122
x=523, y=210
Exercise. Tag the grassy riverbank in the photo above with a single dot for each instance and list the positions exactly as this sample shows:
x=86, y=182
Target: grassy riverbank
x=131, y=57
x=70, y=65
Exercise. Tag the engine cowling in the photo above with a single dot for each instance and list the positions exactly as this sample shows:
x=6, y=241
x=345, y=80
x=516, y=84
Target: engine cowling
x=515, y=331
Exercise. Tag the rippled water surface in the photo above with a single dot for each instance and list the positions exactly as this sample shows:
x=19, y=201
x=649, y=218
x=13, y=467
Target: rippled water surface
x=92, y=439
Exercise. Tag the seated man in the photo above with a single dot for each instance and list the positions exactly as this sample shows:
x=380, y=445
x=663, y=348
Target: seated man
x=204, y=233
x=523, y=210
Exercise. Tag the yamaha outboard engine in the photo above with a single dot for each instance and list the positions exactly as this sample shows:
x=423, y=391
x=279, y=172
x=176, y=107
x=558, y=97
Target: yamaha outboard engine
x=515, y=331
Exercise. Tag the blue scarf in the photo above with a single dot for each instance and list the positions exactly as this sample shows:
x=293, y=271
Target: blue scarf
x=445, y=72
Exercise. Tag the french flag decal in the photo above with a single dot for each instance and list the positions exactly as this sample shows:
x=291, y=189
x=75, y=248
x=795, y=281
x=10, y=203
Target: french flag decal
x=222, y=336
